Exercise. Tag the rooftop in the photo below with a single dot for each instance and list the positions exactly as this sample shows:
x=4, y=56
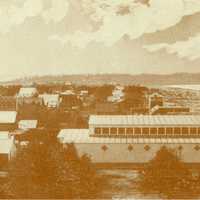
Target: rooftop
x=27, y=91
x=145, y=120
x=8, y=116
x=48, y=98
x=27, y=124
x=82, y=137
x=68, y=92
x=6, y=143
x=4, y=135
x=75, y=132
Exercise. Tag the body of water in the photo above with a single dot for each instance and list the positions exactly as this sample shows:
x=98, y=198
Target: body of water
x=186, y=87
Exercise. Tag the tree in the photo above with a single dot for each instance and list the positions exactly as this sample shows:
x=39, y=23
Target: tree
x=134, y=98
x=101, y=93
x=44, y=169
x=167, y=176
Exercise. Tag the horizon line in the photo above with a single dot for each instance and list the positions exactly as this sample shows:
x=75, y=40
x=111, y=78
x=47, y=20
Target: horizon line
x=17, y=78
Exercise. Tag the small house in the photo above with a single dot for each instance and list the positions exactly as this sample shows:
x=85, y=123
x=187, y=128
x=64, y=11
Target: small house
x=27, y=92
x=8, y=120
x=27, y=124
x=51, y=100
x=7, y=149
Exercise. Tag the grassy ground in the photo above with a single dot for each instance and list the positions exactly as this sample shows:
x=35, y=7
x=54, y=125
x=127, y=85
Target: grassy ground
x=121, y=184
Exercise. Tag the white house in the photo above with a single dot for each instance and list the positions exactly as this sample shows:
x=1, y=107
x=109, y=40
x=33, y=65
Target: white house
x=84, y=92
x=114, y=99
x=68, y=92
x=7, y=148
x=7, y=120
x=51, y=100
x=27, y=124
x=27, y=92
x=8, y=117
x=118, y=93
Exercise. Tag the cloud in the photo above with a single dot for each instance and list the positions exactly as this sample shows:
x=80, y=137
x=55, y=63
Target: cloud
x=57, y=11
x=13, y=14
x=189, y=49
x=139, y=18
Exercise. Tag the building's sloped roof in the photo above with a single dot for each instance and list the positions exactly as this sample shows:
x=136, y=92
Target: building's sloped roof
x=4, y=135
x=8, y=116
x=29, y=91
x=6, y=143
x=50, y=98
x=27, y=124
x=68, y=92
x=140, y=120
x=74, y=132
x=82, y=136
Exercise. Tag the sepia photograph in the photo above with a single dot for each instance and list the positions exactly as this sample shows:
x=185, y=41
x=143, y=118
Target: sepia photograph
x=100, y=99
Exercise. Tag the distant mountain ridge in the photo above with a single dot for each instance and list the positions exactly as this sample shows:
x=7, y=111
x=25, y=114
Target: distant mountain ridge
x=124, y=79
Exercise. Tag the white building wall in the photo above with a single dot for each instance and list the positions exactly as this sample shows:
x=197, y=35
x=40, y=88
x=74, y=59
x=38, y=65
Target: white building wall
x=119, y=153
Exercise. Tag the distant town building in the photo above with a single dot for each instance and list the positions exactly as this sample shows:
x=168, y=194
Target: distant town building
x=27, y=124
x=7, y=149
x=155, y=99
x=27, y=92
x=68, y=83
x=8, y=120
x=28, y=95
x=169, y=110
x=67, y=92
x=117, y=95
x=84, y=92
x=51, y=100
x=69, y=101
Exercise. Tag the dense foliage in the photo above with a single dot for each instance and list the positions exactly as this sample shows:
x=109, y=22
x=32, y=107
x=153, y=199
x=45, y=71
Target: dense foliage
x=44, y=169
x=167, y=176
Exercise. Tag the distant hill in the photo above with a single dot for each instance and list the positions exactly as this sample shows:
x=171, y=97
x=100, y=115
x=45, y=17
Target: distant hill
x=124, y=79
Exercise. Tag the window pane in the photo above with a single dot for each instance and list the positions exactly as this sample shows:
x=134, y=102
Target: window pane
x=193, y=130
x=113, y=131
x=137, y=131
x=97, y=131
x=177, y=131
x=121, y=131
x=145, y=131
x=153, y=131
x=129, y=131
x=185, y=131
x=161, y=131
x=105, y=130
x=169, y=131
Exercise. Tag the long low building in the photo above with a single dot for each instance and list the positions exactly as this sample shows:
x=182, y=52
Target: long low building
x=145, y=125
x=136, y=139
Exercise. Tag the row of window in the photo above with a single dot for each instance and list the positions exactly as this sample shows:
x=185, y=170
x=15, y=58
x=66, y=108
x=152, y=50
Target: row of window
x=148, y=131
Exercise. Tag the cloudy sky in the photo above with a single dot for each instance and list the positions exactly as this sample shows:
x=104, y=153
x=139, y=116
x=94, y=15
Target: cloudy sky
x=98, y=36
